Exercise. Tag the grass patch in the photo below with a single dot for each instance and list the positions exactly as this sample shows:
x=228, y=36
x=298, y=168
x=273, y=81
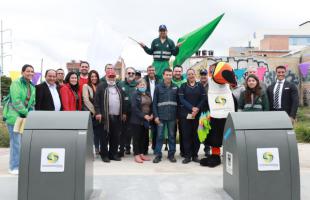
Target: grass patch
x=302, y=127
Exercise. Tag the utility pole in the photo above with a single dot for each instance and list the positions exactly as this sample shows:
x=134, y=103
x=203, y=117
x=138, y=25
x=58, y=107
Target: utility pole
x=2, y=53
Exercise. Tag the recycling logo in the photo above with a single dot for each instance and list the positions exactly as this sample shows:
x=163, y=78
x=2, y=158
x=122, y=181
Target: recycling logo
x=52, y=157
x=220, y=100
x=268, y=157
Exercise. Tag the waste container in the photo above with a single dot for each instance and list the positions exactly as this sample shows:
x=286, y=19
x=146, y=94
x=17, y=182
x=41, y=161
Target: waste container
x=260, y=157
x=56, y=156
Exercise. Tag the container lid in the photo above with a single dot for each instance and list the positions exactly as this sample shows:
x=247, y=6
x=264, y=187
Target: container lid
x=57, y=120
x=259, y=120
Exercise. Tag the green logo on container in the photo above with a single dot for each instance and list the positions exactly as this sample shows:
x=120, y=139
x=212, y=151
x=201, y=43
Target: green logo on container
x=220, y=100
x=52, y=157
x=268, y=157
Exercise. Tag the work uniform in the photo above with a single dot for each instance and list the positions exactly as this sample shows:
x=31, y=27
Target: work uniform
x=161, y=54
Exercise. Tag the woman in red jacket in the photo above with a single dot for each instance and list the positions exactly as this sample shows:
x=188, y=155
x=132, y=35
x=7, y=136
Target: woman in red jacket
x=71, y=96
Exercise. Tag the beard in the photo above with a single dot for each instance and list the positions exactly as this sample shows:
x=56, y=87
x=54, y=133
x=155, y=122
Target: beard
x=131, y=78
x=111, y=83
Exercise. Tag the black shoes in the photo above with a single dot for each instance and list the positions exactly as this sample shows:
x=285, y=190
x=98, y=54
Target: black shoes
x=196, y=159
x=172, y=159
x=186, y=160
x=157, y=159
x=116, y=158
x=127, y=151
x=120, y=154
x=105, y=159
x=211, y=161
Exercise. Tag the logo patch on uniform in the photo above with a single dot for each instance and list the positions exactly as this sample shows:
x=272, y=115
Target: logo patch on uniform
x=220, y=100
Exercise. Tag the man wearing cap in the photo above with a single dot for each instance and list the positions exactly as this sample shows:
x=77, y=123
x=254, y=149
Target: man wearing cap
x=138, y=75
x=111, y=111
x=204, y=78
x=162, y=48
x=107, y=67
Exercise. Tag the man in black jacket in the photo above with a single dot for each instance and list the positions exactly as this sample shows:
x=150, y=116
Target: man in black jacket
x=283, y=95
x=165, y=111
x=110, y=110
x=47, y=93
x=151, y=81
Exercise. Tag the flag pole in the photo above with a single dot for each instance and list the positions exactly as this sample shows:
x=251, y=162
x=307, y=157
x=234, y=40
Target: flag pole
x=41, y=70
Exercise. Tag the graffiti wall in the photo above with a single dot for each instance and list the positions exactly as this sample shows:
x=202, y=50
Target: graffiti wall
x=266, y=70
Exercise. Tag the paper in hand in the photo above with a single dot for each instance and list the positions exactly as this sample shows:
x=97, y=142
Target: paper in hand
x=19, y=125
x=189, y=116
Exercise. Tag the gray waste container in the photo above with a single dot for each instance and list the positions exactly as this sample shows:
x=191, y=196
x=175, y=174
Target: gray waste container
x=57, y=157
x=260, y=157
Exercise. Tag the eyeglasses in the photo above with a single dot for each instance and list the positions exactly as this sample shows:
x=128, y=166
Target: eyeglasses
x=130, y=73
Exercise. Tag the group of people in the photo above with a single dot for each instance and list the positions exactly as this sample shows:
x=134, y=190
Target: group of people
x=139, y=109
x=143, y=109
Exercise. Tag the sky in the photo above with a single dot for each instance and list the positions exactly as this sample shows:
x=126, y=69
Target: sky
x=59, y=31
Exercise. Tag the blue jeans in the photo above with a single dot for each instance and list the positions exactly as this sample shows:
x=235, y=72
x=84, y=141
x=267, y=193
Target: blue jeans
x=15, y=139
x=161, y=135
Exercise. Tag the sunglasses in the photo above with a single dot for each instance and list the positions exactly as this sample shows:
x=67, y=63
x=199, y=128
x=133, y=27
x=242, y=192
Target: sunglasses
x=130, y=73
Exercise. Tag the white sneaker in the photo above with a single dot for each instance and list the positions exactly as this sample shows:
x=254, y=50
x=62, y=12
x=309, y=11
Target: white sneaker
x=14, y=172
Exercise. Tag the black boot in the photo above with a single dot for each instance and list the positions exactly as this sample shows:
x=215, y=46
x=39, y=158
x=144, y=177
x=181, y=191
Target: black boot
x=211, y=161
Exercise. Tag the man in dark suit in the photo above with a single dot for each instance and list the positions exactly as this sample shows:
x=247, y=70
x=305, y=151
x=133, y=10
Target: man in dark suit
x=283, y=95
x=151, y=80
x=47, y=93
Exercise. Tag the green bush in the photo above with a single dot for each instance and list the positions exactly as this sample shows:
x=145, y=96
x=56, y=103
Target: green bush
x=4, y=136
x=302, y=133
x=302, y=127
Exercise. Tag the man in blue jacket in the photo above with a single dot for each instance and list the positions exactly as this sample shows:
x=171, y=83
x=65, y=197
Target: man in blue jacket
x=165, y=111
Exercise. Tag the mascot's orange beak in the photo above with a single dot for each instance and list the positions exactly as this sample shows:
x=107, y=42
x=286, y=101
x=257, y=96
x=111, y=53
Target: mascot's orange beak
x=224, y=73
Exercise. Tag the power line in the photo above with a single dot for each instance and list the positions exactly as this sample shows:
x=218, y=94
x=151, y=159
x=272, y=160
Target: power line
x=2, y=53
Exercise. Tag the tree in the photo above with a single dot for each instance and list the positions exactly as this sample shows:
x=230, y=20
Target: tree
x=5, y=85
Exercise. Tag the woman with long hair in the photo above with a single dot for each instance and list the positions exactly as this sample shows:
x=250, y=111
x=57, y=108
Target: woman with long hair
x=88, y=94
x=253, y=98
x=71, y=96
x=21, y=100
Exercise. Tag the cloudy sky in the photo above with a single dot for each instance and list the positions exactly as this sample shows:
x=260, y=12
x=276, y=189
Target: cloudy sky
x=59, y=31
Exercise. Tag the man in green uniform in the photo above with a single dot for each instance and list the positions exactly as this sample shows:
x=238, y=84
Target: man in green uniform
x=128, y=86
x=162, y=48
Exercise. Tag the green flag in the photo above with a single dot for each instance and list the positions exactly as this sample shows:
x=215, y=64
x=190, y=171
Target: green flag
x=194, y=40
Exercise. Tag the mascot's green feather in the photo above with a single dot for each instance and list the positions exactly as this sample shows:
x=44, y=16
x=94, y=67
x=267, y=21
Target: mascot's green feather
x=204, y=126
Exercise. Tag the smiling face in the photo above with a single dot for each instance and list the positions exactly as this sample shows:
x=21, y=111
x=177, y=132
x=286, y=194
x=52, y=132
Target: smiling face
x=94, y=79
x=28, y=73
x=60, y=75
x=151, y=72
x=51, y=77
x=280, y=73
x=167, y=77
x=177, y=73
x=203, y=78
x=84, y=68
x=191, y=76
x=130, y=75
x=73, y=79
x=251, y=83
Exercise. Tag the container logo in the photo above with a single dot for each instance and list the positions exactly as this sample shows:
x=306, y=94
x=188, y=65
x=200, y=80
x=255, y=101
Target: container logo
x=220, y=100
x=52, y=157
x=268, y=157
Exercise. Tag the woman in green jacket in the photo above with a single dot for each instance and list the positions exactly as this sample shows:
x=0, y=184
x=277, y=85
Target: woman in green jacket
x=21, y=101
x=253, y=98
